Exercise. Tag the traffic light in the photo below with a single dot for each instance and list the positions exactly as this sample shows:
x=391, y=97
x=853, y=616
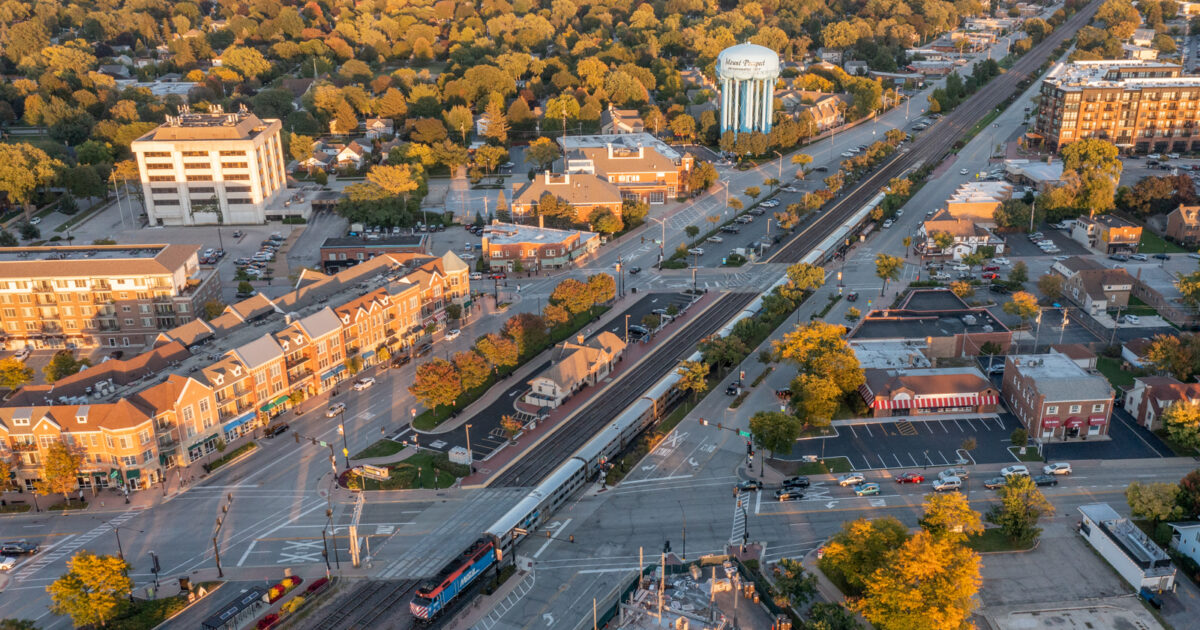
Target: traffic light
x=703, y=422
x=749, y=449
x=719, y=426
x=667, y=547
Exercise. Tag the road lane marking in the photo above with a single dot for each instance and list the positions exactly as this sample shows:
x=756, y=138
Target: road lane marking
x=549, y=540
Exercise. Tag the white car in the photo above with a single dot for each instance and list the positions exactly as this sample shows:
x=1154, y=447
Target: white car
x=453, y=334
x=476, y=275
x=851, y=479
x=466, y=256
x=23, y=354
x=961, y=267
x=363, y=383
x=1000, y=261
x=696, y=251
x=942, y=484
x=887, y=224
x=714, y=239
x=7, y=563
x=1057, y=468
x=1061, y=258
x=335, y=409
x=963, y=171
x=35, y=220
x=1018, y=470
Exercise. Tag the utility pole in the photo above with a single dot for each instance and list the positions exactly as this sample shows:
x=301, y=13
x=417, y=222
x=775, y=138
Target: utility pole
x=217, y=532
x=355, y=552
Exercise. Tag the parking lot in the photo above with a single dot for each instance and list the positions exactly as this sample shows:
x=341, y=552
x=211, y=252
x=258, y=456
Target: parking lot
x=919, y=443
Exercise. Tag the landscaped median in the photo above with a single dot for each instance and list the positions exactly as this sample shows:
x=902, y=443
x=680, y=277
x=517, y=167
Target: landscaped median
x=422, y=470
x=231, y=456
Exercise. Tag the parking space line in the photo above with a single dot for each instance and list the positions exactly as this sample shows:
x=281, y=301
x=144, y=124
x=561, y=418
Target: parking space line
x=943, y=426
x=868, y=428
x=957, y=424
x=972, y=425
x=898, y=464
x=868, y=462
x=851, y=427
x=881, y=462
x=914, y=459
x=944, y=460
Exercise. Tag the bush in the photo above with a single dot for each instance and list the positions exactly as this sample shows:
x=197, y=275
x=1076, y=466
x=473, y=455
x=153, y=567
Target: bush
x=674, y=264
x=294, y=221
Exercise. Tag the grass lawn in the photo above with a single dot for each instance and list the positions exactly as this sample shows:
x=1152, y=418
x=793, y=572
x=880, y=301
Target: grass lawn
x=73, y=504
x=992, y=540
x=1154, y=244
x=232, y=455
x=1031, y=454
x=1111, y=369
x=382, y=448
x=415, y=472
x=1177, y=448
x=144, y=614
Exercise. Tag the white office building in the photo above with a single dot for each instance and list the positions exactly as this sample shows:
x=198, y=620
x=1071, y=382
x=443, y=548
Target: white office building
x=212, y=168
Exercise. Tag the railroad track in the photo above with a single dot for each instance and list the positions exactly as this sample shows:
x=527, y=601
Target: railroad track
x=623, y=392
x=363, y=607
x=933, y=144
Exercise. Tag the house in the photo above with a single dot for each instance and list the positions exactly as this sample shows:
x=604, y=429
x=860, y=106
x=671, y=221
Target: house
x=379, y=128
x=1150, y=396
x=694, y=77
x=1185, y=539
x=1134, y=352
x=967, y=237
x=830, y=55
x=908, y=392
x=1094, y=287
x=352, y=155
x=1077, y=352
x=584, y=192
x=1143, y=37
x=856, y=68
x=1126, y=548
x=1183, y=225
x=573, y=366
x=1107, y=234
x=1139, y=52
x=827, y=110
x=613, y=120
x=115, y=70
x=1159, y=289
x=1055, y=398
x=481, y=124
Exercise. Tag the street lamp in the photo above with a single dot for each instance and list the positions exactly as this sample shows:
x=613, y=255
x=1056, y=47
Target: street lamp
x=342, y=432
x=470, y=453
x=662, y=243
x=626, y=328
x=780, y=177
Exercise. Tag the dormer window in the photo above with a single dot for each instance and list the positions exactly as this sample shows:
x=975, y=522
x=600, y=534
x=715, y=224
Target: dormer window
x=81, y=414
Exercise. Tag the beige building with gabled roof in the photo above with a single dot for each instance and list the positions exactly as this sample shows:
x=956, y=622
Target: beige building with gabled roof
x=585, y=192
x=573, y=366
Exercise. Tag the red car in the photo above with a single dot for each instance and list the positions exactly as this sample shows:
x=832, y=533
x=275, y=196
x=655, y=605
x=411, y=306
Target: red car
x=991, y=268
x=991, y=276
x=910, y=477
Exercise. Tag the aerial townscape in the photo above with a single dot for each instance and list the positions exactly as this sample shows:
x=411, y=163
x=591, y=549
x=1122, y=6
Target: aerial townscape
x=568, y=314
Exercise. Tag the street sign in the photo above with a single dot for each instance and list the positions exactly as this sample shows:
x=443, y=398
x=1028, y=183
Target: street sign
x=323, y=443
x=379, y=473
x=743, y=433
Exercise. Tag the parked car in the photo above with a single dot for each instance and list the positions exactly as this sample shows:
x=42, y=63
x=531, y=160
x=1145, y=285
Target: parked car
x=275, y=429
x=7, y=563
x=746, y=486
x=1139, y=257
x=992, y=268
x=335, y=409
x=696, y=251
x=498, y=275
x=960, y=267
x=887, y=224
x=400, y=360
x=1151, y=597
x=1000, y=261
x=1162, y=256
x=788, y=495
x=744, y=219
x=851, y=479
x=452, y=334
x=946, y=484
x=799, y=481
x=424, y=350
x=995, y=482
x=866, y=489
x=18, y=548
x=991, y=276
x=729, y=229
x=23, y=354
x=1057, y=468
x=1045, y=480
x=714, y=239
x=1133, y=319
x=910, y=477
x=1119, y=257
x=734, y=388
x=963, y=171
x=852, y=296
x=363, y=383
x=998, y=288
x=476, y=275
x=961, y=473
x=1017, y=470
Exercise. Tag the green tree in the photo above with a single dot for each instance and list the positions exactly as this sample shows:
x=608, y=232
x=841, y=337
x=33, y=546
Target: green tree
x=1021, y=505
x=91, y=590
x=1019, y=273
x=605, y=221
x=246, y=61
x=1051, y=286
x=60, y=467
x=63, y=364
x=528, y=331
x=860, y=548
x=775, y=431
x=694, y=377
x=24, y=168
x=949, y=515
x=943, y=240
x=1189, y=494
x=542, y=153
x=1155, y=501
x=473, y=370
x=436, y=383
x=794, y=587
x=1182, y=422
x=14, y=373
x=825, y=616
x=1019, y=437
x=691, y=232
x=887, y=268
x=213, y=309
x=1023, y=305
x=927, y=583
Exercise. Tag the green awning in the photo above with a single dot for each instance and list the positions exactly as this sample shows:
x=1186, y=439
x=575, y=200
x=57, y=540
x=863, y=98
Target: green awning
x=132, y=473
x=274, y=403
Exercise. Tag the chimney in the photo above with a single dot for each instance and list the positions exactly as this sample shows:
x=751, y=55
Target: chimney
x=580, y=338
x=609, y=145
x=541, y=222
x=641, y=151
x=547, y=174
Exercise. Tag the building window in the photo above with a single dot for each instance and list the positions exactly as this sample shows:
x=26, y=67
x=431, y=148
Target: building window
x=1053, y=409
x=237, y=177
x=124, y=442
x=154, y=154
x=1098, y=408
x=1075, y=408
x=143, y=436
x=233, y=165
x=240, y=201
x=129, y=460
x=154, y=166
x=166, y=202
x=199, y=178
x=233, y=154
x=162, y=178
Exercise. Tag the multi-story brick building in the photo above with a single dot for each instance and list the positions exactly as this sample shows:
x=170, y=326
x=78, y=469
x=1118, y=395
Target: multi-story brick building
x=1107, y=234
x=211, y=382
x=212, y=168
x=643, y=167
x=100, y=295
x=535, y=248
x=584, y=192
x=1055, y=398
x=340, y=252
x=1183, y=225
x=1140, y=106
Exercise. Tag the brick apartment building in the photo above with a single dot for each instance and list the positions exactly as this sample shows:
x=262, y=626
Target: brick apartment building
x=642, y=166
x=339, y=252
x=1055, y=398
x=100, y=295
x=1183, y=225
x=1107, y=234
x=1141, y=106
x=535, y=248
x=205, y=383
x=584, y=192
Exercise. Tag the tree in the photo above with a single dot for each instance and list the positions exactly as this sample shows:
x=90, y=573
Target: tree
x=794, y=587
x=29, y=231
x=528, y=331
x=826, y=616
x=1019, y=437
x=1155, y=501
x=802, y=278
x=473, y=370
x=605, y=221
x=91, y=590
x=572, y=295
x=948, y=515
x=1019, y=273
x=853, y=314
x=927, y=583
x=510, y=425
x=63, y=364
x=212, y=309
x=775, y=431
x=861, y=547
x=602, y=287
x=491, y=156
x=1051, y=286
x=1189, y=494
x=497, y=122
x=752, y=192
x=695, y=377
x=1182, y=422
x=499, y=351
x=395, y=179
x=23, y=168
x=246, y=61
x=555, y=315
x=962, y=289
x=692, y=231
x=428, y=131
x=83, y=181
x=542, y=152
x=1023, y=304
x=887, y=268
x=1021, y=505
x=436, y=383
x=459, y=120
x=14, y=373
x=818, y=350
x=60, y=467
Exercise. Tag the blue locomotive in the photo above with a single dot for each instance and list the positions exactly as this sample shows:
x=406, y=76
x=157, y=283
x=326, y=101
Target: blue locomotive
x=434, y=596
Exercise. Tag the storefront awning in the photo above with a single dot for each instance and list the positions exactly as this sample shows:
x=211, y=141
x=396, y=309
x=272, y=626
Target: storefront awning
x=237, y=422
x=970, y=400
x=1074, y=422
x=133, y=473
x=1050, y=422
x=274, y=403
x=368, y=355
x=333, y=372
x=1094, y=420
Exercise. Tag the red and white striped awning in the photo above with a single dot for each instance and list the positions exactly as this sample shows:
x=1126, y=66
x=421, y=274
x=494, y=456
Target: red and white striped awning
x=1050, y=422
x=1074, y=422
x=965, y=400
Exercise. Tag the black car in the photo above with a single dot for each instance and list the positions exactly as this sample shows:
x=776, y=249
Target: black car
x=424, y=350
x=747, y=486
x=998, y=288
x=729, y=229
x=401, y=361
x=796, y=482
x=787, y=494
x=1162, y=257
x=734, y=388
x=852, y=296
x=1045, y=480
x=821, y=169
x=18, y=548
x=633, y=271
x=995, y=482
x=275, y=429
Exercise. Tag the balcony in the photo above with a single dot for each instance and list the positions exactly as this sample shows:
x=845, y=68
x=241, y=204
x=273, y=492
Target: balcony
x=292, y=362
x=24, y=447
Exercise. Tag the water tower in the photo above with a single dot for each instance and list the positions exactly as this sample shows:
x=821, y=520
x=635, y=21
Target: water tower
x=747, y=74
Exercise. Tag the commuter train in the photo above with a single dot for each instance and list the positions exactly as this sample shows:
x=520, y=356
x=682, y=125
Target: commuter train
x=434, y=595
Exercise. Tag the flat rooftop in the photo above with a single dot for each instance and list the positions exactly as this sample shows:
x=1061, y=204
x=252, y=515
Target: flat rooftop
x=513, y=234
x=903, y=324
x=405, y=240
x=628, y=141
x=88, y=261
x=888, y=354
x=1060, y=379
x=1143, y=551
x=81, y=252
x=208, y=126
x=1082, y=74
